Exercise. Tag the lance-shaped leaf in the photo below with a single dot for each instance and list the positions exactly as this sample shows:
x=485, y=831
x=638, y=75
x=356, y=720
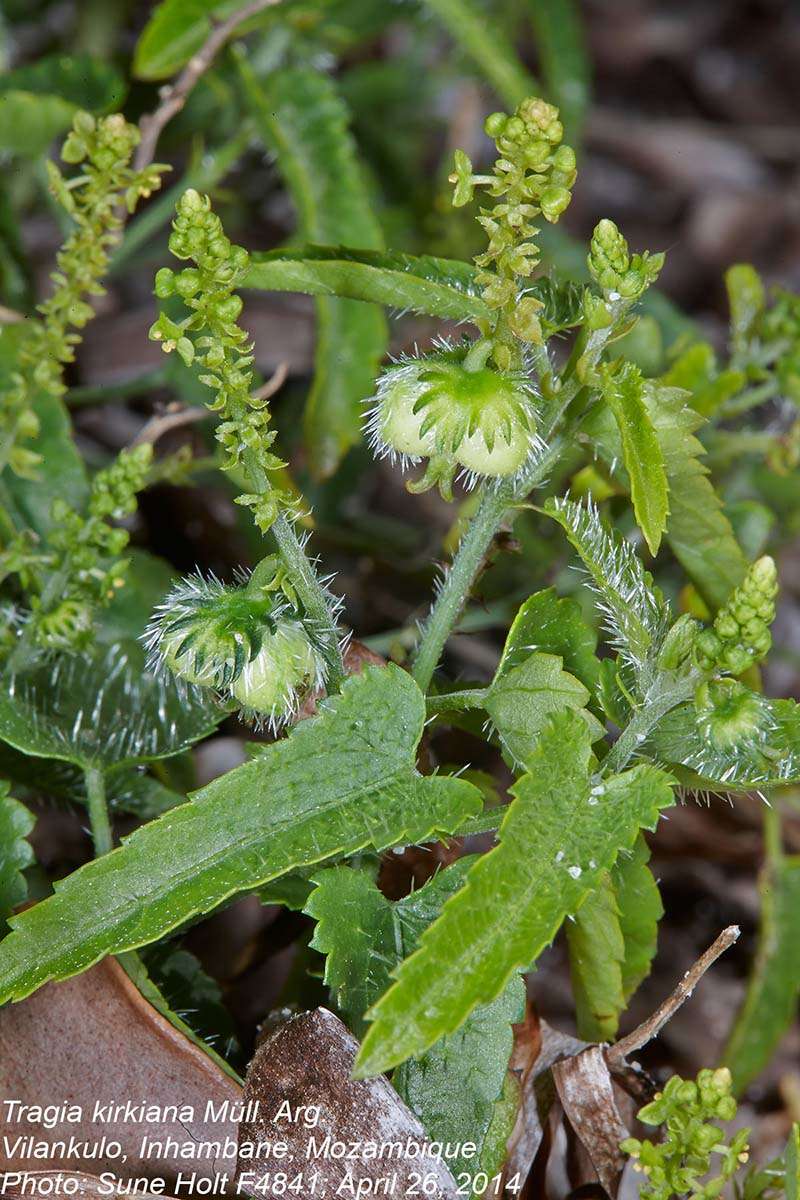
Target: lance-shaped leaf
x=103, y=709
x=596, y=951
x=769, y=760
x=635, y=612
x=302, y=118
x=612, y=942
x=771, y=1001
x=520, y=700
x=560, y=833
x=623, y=392
x=640, y=909
x=16, y=822
x=698, y=531
x=454, y=1088
x=339, y=783
x=441, y=287
x=552, y=625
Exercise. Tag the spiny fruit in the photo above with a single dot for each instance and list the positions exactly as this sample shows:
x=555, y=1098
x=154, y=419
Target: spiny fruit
x=453, y=409
x=250, y=642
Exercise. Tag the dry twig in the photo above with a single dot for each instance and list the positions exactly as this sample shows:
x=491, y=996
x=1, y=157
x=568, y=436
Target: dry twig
x=650, y=1028
x=175, y=95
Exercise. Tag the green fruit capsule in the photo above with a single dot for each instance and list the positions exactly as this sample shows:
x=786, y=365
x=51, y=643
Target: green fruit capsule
x=453, y=409
x=251, y=644
x=284, y=669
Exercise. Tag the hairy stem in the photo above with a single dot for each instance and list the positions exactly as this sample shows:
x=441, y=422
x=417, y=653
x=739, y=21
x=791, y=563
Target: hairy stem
x=468, y=562
x=653, y=709
x=312, y=596
x=98, y=810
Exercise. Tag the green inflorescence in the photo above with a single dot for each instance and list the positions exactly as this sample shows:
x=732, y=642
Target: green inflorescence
x=211, y=339
x=677, y=1165
x=77, y=566
x=103, y=148
x=532, y=176
x=740, y=635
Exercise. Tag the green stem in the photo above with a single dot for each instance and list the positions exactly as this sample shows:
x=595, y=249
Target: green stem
x=98, y=810
x=654, y=708
x=456, y=701
x=468, y=561
x=312, y=596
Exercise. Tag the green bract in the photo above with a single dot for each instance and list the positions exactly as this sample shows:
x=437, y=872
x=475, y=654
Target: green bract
x=460, y=414
x=250, y=643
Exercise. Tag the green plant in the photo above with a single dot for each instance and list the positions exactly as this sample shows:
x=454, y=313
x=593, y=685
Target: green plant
x=676, y=1166
x=603, y=711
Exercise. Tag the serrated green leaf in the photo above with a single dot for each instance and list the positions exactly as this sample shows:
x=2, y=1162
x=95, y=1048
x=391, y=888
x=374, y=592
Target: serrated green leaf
x=624, y=391
x=596, y=953
x=561, y=47
x=699, y=533
x=551, y=625
x=635, y=612
x=103, y=709
x=679, y=740
x=442, y=287
x=771, y=1001
x=455, y=1087
x=340, y=782
x=482, y=40
x=554, y=846
x=302, y=118
x=521, y=699
x=640, y=910
x=16, y=853
x=356, y=932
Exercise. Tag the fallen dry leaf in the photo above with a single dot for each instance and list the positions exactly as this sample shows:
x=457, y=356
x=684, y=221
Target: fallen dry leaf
x=306, y=1065
x=94, y=1039
x=586, y=1092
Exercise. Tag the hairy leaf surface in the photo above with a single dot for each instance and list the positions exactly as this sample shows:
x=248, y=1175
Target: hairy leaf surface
x=636, y=614
x=551, y=625
x=554, y=845
x=302, y=118
x=521, y=699
x=340, y=782
x=680, y=740
x=103, y=709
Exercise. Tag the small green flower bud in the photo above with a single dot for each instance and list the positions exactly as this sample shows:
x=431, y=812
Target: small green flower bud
x=554, y=201
x=495, y=124
x=165, y=283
